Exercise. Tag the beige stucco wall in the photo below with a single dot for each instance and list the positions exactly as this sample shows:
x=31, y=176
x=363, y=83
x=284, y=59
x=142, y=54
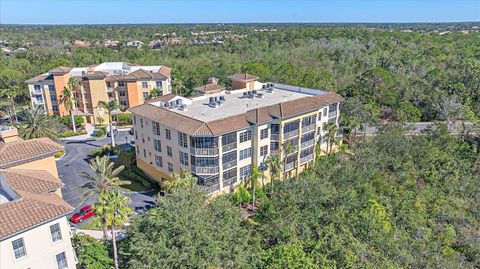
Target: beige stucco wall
x=48, y=164
x=41, y=251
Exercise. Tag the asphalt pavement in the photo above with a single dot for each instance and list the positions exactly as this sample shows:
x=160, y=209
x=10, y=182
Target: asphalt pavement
x=75, y=161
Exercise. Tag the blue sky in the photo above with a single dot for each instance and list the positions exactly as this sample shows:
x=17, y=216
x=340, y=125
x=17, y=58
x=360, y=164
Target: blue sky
x=234, y=11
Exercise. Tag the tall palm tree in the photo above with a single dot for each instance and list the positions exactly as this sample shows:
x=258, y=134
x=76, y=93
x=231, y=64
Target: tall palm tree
x=104, y=179
x=36, y=124
x=110, y=106
x=254, y=175
x=331, y=129
x=115, y=207
x=69, y=99
x=274, y=166
x=288, y=149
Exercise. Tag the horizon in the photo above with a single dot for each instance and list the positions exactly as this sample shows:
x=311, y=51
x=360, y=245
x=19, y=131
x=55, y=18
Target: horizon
x=123, y=12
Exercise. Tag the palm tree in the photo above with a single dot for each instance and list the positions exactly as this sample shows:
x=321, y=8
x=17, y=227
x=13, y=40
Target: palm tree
x=69, y=98
x=36, y=124
x=274, y=166
x=114, y=206
x=110, y=106
x=10, y=93
x=331, y=129
x=288, y=149
x=180, y=181
x=254, y=175
x=104, y=179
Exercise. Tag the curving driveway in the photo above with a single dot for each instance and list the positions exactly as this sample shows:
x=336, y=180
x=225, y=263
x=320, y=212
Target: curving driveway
x=76, y=160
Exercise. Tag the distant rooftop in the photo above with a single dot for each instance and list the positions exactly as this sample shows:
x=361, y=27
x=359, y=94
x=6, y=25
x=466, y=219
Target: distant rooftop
x=236, y=102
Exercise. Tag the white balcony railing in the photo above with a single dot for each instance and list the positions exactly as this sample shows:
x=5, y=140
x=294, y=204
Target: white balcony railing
x=308, y=143
x=275, y=137
x=308, y=128
x=290, y=166
x=205, y=170
x=229, y=147
x=204, y=152
x=306, y=158
x=290, y=134
x=229, y=164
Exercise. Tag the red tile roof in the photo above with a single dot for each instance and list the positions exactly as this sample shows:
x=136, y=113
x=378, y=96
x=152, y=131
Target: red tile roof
x=242, y=77
x=22, y=151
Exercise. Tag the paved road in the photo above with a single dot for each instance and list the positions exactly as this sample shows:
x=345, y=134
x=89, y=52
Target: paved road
x=76, y=160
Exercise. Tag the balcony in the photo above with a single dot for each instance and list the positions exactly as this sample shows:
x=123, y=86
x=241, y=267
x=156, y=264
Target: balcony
x=308, y=128
x=229, y=147
x=274, y=152
x=38, y=102
x=204, y=151
x=290, y=134
x=37, y=92
x=229, y=165
x=275, y=137
x=306, y=158
x=308, y=143
x=332, y=114
x=205, y=170
x=212, y=188
x=229, y=181
x=290, y=166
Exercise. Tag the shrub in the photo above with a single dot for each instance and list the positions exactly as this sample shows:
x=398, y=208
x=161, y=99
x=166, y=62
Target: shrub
x=242, y=195
x=67, y=121
x=72, y=133
x=59, y=154
x=124, y=118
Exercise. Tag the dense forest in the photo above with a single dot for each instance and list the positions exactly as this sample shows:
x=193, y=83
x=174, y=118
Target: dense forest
x=384, y=72
x=396, y=202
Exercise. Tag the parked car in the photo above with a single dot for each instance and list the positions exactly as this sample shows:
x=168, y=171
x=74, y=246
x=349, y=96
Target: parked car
x=85, y=212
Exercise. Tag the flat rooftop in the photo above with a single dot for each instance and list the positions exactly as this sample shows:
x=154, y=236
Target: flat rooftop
x=235, y=103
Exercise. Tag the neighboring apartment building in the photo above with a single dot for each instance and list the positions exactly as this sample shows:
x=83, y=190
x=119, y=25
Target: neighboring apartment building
x=126, y=83
x=220, y=135
x=34, y=231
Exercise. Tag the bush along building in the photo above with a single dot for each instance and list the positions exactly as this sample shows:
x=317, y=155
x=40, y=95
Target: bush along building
x=220, y=134
x=129, y=84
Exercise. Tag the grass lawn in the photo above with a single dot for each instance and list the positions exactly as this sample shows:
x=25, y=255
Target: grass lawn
x=124, y=127
x=133, y=186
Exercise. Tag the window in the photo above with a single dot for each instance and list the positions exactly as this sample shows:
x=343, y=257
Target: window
x=275, y=129
x=53, y=98
x=291, y=126
x=264, y=150
x=183, y=158
x=159, y=84
x=320, y=116
x=144, y=153
x=264, y=133
x=170, y=167
x=134, y=119
x=157, y=144
x=121, y=84
x=122, y=93
x=141, y=123
x=156, y=128
x=168, y=134
x=169, y=151
x=158, y=161
x=108, y=84
x=19, y=248
x=145, y=95
x=182, y=139
x=245, y=136
x=325, y=112
x=245, y=171
x=55, y=108
x=229, y=157
x=245, y=153
x=62, y=261
x=144, y=84
x=274, y=145
x=51, y=88
x=37, y=87
x=143, y=139
x=56, y=233
x=123, y=103
x=230, y=174
x=229, y=138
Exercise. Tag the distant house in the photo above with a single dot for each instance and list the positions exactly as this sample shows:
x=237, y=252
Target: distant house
x=135, y=43
x=20, y=50
x=82, y=44
x=110, y=43
x=7, y=51
x=155, y=44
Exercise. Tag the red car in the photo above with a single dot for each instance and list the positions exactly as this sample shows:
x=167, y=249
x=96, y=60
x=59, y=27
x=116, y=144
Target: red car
x=84, y=213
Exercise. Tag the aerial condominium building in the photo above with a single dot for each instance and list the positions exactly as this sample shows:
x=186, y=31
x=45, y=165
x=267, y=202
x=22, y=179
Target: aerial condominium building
x=219, y=135
x=128, y=84
x=34, y=231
